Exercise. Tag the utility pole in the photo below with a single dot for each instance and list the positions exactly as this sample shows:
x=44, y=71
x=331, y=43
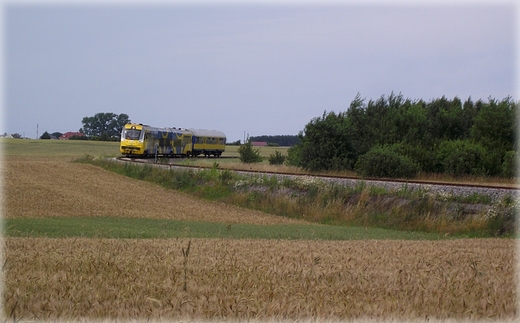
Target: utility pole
x=36, y=131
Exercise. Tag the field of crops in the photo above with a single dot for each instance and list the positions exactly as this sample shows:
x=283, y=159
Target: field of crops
x=204, y=279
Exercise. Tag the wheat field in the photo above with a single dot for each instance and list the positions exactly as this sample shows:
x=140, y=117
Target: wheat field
x=49, y=279
x=52, y=187
x=78, y=279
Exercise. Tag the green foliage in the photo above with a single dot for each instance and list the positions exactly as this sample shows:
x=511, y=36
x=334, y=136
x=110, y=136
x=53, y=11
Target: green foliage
x=76, y=137
x=461, y=157
x=248, y=154
x=45, y=135
x=446, y=120
x=501, y=219
x=494, y=126
x=509, y=166
x=425, y=158
x=233, y=143
x=294, y=156
x=417, y=130
x=381, y=161
x=284, y=140
x=226, y=177
x=104, y=126
x=326, y=144
x=277, y=158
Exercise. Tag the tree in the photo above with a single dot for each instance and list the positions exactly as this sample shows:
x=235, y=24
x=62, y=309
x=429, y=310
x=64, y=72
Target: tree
x=462, y=157
x=326, y=144
x=45, y=135
x=494, y=126
x=278, y=140
x=248, y=154
x=104, y=126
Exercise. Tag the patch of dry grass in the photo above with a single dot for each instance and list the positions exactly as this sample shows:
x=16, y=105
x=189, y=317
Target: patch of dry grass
x=49, y=279
x=53, y=187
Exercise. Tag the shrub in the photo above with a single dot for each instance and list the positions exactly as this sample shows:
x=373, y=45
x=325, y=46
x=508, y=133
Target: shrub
x=509, y=164
x=424, y=157
x=248, y=154
x=277, y=158
x=501, y=221
x=381, y=161
x=462, y=157
x=294, y=156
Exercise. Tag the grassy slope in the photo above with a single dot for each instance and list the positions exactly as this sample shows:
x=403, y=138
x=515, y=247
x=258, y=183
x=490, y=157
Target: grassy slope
x=48, y=195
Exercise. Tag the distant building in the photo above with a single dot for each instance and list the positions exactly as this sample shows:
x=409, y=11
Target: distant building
x=67, y=135
x=259, y=143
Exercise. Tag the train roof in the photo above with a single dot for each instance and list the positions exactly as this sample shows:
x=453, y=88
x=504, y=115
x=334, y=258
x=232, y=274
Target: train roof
x=195, y=132
x=207, y=133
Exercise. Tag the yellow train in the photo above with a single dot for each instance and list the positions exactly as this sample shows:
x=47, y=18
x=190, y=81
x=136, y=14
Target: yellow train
x=145, y=141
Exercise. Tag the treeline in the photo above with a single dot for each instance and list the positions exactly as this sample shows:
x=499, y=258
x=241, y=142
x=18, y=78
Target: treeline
x=280, y=140
x=398, y=137
x=104, y=126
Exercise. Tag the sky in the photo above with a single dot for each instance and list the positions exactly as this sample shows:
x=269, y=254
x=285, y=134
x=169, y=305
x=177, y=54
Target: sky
x=261, y=68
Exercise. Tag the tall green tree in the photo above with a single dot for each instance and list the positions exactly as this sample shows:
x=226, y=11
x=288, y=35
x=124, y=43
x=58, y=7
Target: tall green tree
x=248, y=154
x=326, y=144
x=447, y=120
x=495, y=124
x=45, y=135
x=104, y=126
x=495, y=129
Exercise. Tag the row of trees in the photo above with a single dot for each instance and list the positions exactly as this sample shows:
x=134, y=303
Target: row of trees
x=104, y=126
x=279, y=140
x=396, y=137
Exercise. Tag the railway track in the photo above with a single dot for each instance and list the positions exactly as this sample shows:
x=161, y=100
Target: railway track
x=485, y=186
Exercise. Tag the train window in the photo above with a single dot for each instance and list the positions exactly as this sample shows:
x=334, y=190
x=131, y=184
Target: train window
x=131, y=134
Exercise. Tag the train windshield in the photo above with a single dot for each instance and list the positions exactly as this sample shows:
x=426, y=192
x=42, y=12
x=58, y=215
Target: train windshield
x=131, y=134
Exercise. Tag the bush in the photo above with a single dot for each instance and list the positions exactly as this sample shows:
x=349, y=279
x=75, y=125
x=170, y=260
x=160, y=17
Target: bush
x=294, y=156
x=277, y=158
x=425, y=158
x=462, y=157
x=381, y=161
x=248, y=154
x=509, y=164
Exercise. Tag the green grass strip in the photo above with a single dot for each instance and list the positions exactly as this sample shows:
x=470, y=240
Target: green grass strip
x=136, y=228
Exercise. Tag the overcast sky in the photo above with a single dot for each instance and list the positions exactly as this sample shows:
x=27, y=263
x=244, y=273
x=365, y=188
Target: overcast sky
x=257, y=69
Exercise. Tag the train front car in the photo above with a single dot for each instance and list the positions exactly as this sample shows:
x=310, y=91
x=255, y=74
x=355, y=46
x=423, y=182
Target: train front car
x=208, y=142
x=138, y=140
x=132, y=140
